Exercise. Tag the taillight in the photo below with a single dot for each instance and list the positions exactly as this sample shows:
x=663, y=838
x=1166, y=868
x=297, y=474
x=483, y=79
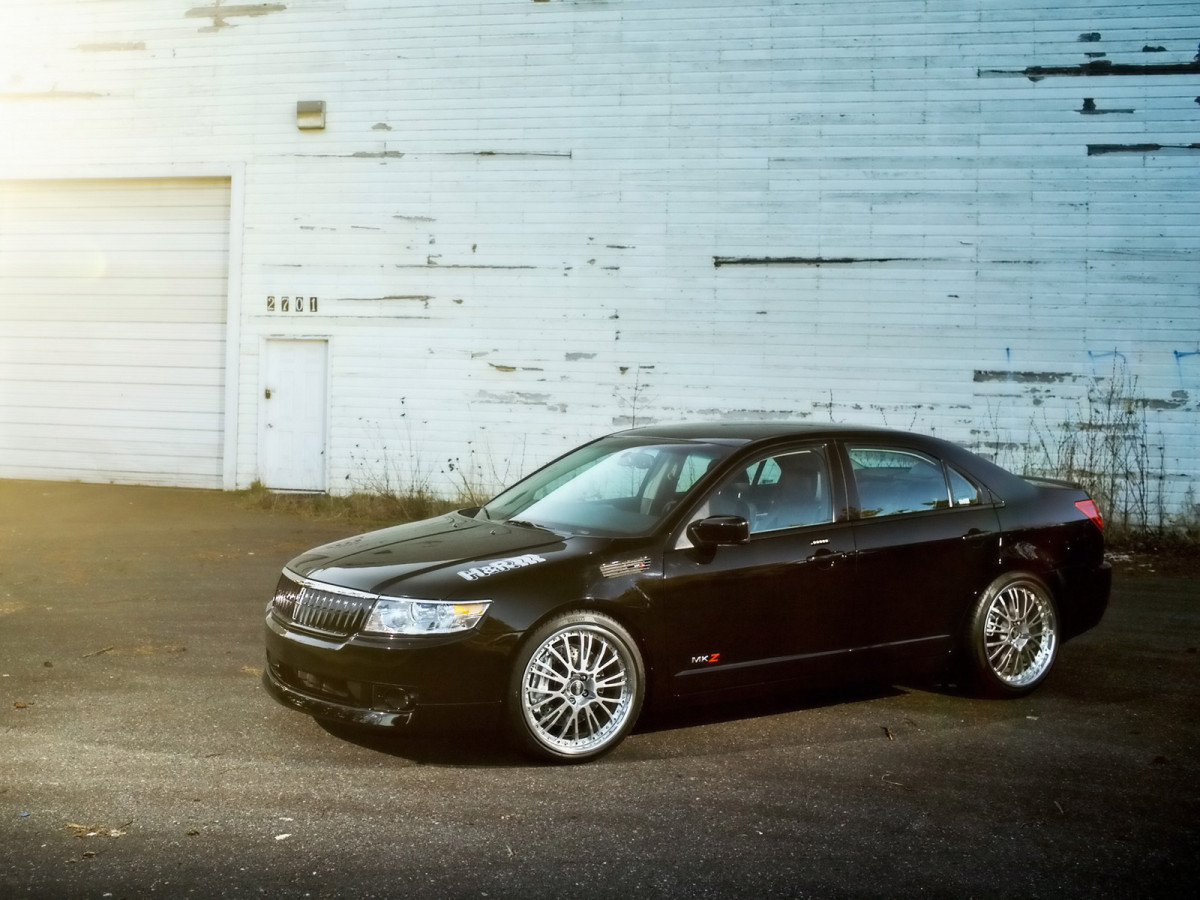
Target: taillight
x=1092, y=511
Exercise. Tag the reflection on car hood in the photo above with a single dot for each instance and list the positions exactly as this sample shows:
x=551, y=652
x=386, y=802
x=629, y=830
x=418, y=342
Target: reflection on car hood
x=459, y=549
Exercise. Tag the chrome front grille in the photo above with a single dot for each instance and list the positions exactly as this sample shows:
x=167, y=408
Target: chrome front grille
x=313, y=608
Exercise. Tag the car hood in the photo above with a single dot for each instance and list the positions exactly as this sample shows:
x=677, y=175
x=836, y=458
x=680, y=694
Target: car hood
x=433, y=558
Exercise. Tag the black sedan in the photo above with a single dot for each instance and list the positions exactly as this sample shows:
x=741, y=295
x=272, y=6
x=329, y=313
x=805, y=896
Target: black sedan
x=683, y=563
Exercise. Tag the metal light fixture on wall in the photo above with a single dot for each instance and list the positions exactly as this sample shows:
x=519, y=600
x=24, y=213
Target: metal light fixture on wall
x=310, y=115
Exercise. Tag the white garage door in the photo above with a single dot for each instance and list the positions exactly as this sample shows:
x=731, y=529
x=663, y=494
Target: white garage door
x=112, y=329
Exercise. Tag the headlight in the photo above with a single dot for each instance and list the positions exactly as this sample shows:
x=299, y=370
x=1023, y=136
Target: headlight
x=395, y=616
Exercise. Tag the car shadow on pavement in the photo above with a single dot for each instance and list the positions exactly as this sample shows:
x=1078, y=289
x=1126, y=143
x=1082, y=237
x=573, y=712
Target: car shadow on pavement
x=471, y=749
x=488, y=748
x=759, y=707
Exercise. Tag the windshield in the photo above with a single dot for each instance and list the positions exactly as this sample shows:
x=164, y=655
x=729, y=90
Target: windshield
x=615, y=487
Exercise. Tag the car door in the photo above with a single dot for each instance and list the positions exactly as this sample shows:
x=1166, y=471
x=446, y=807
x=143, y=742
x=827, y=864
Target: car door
x=776, y=607
x=927, y=538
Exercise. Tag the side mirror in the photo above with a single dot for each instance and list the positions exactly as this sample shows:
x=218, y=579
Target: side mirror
x=719, y=531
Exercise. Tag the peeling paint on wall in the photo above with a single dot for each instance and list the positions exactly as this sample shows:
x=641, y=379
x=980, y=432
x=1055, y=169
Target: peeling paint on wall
x=115, y=47
x=751, y=415
x=1095, y=68
x=719, y=261
x=52, y=95
x=1090, y=109
x=503, y=368
x=1178, y=400
x=219, y=13
x=541, y=154
x=432, y=263
x=360, y=154
x=1102, y=149
x=516, y=397
x=1024, y=377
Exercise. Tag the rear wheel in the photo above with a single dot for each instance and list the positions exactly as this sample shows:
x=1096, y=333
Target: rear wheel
x=576, y=688
x=1012, y=637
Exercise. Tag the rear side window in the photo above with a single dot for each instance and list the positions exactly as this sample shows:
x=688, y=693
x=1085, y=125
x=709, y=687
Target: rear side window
x=962, y=491
x=891, y=481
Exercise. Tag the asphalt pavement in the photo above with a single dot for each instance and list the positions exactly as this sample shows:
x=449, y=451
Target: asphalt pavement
x=140, y=755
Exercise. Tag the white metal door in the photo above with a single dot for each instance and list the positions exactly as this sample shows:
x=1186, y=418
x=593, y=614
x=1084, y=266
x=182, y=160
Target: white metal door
x=292, y=421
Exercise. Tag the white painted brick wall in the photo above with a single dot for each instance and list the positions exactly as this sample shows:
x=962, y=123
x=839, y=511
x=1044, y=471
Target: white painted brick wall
x=512, y=218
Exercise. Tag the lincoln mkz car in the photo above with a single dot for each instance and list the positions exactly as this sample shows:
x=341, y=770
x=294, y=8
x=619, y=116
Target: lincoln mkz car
x=677, y=564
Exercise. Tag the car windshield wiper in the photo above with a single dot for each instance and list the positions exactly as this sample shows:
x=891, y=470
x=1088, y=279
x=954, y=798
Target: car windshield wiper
x=524, y=524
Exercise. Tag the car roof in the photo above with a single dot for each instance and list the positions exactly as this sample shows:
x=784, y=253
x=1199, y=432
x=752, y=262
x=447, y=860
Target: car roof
x=747, y=432
x=740, y=434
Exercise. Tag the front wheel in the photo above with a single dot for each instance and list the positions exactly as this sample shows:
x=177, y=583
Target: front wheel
x=576, y=688
x=1012, y=637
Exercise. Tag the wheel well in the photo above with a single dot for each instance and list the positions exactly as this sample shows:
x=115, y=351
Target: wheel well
x=1051, y=579
x=617, y=613
x=1032, y=559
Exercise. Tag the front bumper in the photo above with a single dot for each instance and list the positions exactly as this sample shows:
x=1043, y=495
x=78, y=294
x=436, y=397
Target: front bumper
x=322, y=708
x=432, y=717
x=451, y=685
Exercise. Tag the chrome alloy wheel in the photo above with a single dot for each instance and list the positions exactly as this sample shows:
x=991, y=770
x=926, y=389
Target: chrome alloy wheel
x=579, y=690
x=1020, y=634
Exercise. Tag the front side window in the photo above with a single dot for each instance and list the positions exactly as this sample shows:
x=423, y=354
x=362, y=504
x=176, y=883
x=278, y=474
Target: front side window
x=891, y=481
x=615, y=487
x=783, y=490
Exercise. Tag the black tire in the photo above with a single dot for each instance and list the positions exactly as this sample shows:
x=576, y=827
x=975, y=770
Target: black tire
x=1012, y=637
x=576, y=688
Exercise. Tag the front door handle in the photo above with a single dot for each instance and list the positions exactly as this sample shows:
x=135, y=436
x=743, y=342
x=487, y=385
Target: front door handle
x=826, y=558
